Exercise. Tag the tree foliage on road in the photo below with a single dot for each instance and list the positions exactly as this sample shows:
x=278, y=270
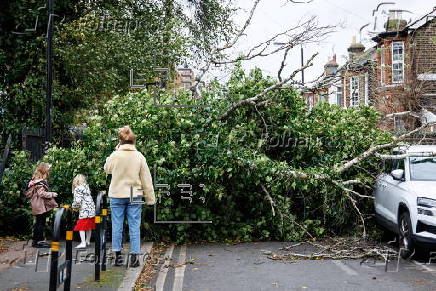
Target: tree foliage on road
x=252, y=165
x=262, y=165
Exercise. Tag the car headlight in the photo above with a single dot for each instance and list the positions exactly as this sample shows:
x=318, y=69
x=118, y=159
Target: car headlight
x=426, y=202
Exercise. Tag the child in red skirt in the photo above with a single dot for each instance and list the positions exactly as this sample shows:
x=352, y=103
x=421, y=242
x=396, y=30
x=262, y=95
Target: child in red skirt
x=83, y=201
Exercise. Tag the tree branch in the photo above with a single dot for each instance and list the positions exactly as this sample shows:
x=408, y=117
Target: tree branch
x=283, y=64
x=372, y=150
x=351, y=191
x=241, y=31
x=397, y=114
x=403, y=156
x=252, y=100
x=309, y=31
x=269, y=199
x=356, y=182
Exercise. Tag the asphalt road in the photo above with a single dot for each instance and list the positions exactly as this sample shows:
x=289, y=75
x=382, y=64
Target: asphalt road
x=245, y=266
x=239, y=267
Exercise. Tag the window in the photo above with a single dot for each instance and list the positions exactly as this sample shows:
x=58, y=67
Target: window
x=339, y=96
x=399, y=124
x=354, y=91
x=366, y=89
x=422, y=169
x=397, y=62
x=310, y=101
x=345, y=91
x=382, y=66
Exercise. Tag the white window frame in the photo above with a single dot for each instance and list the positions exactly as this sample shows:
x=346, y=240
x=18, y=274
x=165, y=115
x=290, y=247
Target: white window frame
x=382, y=66
x=398, y=61
x=366, y=89
x=339, y=95
x=354, y=92
x=344, y=95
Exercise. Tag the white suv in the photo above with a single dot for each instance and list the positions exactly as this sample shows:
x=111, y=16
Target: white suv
x=405, y=198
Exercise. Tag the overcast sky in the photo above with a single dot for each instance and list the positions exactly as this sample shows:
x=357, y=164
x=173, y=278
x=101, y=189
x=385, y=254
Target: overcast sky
x=273, y=16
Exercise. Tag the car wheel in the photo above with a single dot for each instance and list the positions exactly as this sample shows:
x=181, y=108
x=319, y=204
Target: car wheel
x=406, y=244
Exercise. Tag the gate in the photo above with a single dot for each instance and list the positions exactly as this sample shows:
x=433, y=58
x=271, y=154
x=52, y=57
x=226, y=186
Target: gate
x=33, y=142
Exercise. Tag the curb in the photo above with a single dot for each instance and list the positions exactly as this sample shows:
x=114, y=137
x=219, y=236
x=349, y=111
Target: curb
x=132, y=274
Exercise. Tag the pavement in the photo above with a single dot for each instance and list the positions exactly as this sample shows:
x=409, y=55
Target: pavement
x=246, y=267
x=219, y=266
x=28, y=269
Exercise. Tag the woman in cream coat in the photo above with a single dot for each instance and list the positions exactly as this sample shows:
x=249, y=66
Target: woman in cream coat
x=129, y=171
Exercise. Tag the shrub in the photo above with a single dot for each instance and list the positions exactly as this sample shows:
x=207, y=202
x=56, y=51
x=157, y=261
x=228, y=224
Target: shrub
x=16, y=215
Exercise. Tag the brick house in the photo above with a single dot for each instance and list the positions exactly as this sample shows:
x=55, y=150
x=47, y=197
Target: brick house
x=184, y=78
x=397, y=74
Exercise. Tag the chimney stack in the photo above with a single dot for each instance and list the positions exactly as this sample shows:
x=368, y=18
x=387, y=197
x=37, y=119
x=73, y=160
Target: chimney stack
x=331, y=67
x=395, y=21
x=355, y=49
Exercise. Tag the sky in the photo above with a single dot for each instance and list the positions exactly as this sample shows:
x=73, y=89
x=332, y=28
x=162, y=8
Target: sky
x=274, y=16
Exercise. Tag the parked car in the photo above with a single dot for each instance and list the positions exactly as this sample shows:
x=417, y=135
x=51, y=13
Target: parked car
x=405, y=198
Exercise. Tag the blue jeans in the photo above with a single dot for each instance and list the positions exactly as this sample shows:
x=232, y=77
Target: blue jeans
x=119, y=208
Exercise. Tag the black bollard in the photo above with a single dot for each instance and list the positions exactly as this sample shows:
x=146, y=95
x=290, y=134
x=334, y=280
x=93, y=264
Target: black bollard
x=97, y=247
x=56, y=277
x=68, y=250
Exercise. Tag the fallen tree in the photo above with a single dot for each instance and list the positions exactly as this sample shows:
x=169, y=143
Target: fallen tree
x=279, y=171
x=270, y=167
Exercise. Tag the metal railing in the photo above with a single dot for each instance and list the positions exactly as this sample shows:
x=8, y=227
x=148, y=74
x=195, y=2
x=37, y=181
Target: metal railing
x=101, y=218
x=61, y=273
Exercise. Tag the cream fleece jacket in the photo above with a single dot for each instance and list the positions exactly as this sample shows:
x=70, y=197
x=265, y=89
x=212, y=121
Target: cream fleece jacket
x=129, y=168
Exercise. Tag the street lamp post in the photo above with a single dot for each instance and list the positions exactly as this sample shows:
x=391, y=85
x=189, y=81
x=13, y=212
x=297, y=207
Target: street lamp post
x=49, y=89
x=302, y=65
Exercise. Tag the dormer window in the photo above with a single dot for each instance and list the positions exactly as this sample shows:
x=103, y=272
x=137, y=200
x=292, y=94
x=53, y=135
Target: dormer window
x=397, y=62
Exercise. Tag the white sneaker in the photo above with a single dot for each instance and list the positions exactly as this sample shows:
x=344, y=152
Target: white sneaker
x=81, y=245
x=88, y=243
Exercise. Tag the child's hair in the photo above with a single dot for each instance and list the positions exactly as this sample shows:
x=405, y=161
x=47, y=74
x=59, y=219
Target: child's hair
x=126, y=135
x=42, y=171
x=78, y=180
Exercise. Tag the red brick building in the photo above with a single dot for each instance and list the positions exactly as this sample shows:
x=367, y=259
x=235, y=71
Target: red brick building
x=397, y=74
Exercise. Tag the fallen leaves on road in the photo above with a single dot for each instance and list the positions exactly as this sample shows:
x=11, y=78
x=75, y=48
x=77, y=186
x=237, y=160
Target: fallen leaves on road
x=334, y=249
x=149, y=269
x=5, y=243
